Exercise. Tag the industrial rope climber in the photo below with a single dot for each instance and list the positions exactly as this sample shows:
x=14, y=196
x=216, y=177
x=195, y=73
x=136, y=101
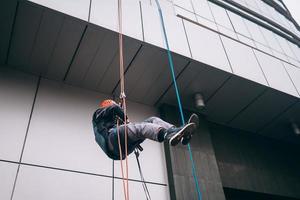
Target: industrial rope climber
x=118, y=137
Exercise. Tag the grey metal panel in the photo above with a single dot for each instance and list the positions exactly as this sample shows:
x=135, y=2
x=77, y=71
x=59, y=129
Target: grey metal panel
x=45, y=41
x=66, y=44
x=49, y=184
x=16, y=98
x=271, y=166
x=92, y=41
x=111, y=76
x=234, y=95
x=7, y=13
x=196, y=78
x=25, y=30
x=149, y=75
x=106, y=51
x=263, y=110
x=7, y=174
x=281, y=127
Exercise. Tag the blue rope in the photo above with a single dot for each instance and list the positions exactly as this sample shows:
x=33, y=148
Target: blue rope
x=177, y=95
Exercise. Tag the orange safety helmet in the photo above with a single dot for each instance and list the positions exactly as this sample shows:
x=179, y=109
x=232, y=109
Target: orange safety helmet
x=106, y=103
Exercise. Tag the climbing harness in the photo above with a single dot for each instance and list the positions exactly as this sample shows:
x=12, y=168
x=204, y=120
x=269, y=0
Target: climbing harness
x=171, y=64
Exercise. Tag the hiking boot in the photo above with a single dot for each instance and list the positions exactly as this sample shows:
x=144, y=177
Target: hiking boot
x=174, y=135
x=193, y=119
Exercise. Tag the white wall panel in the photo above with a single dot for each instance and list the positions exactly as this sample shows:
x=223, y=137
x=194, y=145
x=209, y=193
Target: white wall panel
x=294, y=73
x=61, y=133
x=206, y=46
x=255, y=32
x=105, y=13
x=185, y=13
x=7, y=176
x=132, y=22
x=165, y=5
x=78, y=8
x=186, y=4
x=202, y=9
x=206, y=22
x=220, y=16
x=285, y=47
x=136, y=191
x=275, y=73
x=153, y=151
x=152, y=27
x=269, y=36
x=239, y=24
x=176, y=35
x=49, y=184
x=243, y=61
x=295, y=50
x=16, y=98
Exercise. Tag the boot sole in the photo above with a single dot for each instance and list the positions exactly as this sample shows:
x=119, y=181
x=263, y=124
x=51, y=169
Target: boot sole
x=193, y=119
x=186, y=130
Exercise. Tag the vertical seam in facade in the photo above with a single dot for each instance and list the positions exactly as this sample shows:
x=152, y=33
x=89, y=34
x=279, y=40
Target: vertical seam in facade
x=75, y=52
x=187, y=39
x=260, y=67
x=230, y=65
x=290, y=78
x=230, y=20
x=142, y=22
x=90, y=10
x=26, y=134
x=193, y=7
x=12, y=32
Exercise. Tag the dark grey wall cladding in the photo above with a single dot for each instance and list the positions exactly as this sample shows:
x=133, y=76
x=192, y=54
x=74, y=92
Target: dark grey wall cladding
x=181, y=182
x=255, y=163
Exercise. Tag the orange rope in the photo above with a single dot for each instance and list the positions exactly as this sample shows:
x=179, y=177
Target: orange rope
x=126, y=144
x=122, y=97
x=121, y=161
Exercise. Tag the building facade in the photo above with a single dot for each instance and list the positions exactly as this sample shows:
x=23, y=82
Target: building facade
x=59, y=59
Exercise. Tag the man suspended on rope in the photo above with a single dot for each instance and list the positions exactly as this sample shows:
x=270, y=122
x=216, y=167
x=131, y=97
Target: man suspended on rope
x=106, y=130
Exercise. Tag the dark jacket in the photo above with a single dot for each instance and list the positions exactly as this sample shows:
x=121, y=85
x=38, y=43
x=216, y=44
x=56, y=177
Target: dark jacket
x=103, y=120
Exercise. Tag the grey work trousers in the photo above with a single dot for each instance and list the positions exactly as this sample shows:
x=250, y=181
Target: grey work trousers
x=137, y=133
